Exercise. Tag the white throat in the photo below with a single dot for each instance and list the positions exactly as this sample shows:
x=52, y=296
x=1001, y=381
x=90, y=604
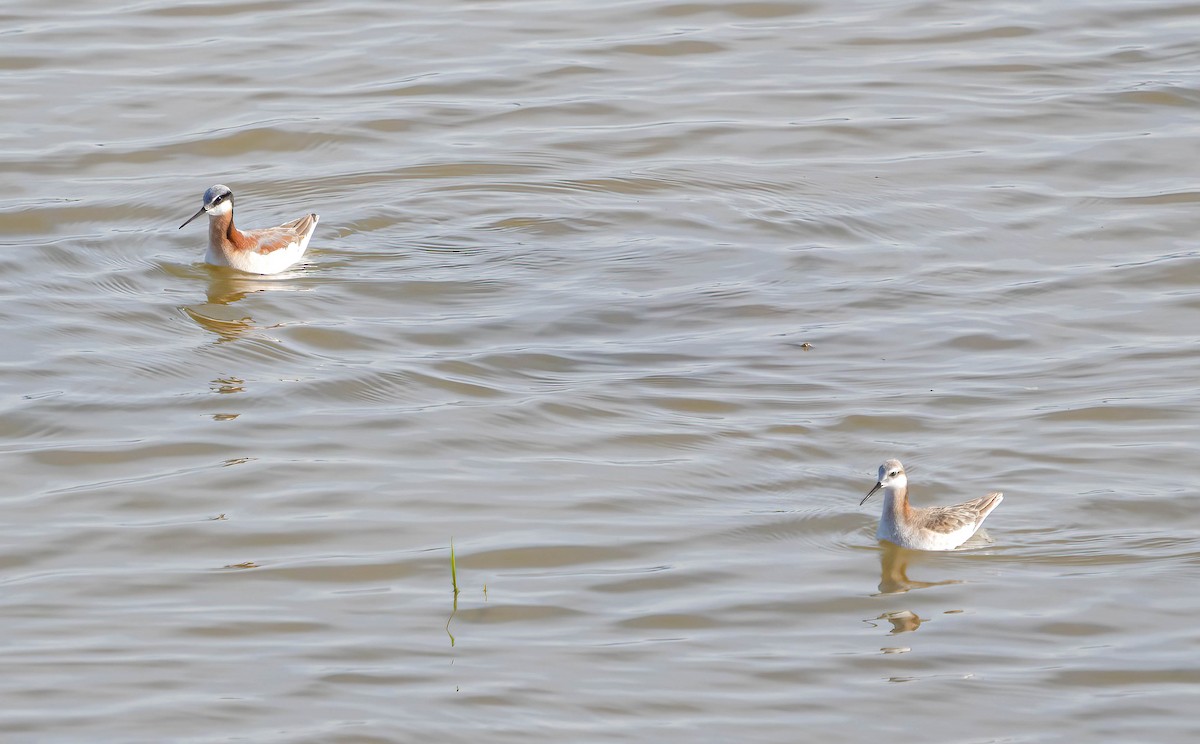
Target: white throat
x=221, y=209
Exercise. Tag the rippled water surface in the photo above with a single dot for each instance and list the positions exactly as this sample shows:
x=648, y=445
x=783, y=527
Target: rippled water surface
x=627, y=300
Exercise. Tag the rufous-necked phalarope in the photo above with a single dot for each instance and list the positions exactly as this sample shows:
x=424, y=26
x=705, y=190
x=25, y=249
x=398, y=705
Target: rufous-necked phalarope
x=266, y=251
x=931, y=527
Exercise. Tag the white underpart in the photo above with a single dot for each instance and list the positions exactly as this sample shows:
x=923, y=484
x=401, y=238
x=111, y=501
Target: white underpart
x=912, y=534
x=253, y=262
x=915, y=537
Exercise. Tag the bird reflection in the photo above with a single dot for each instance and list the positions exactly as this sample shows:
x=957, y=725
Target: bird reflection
x=228, y=287
x=227, y=385
x=903, y=621
x=226, y=329
x=225, y=289
x=893, y=571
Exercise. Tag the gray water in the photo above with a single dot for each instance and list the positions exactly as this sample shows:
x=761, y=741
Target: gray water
x=627, y=300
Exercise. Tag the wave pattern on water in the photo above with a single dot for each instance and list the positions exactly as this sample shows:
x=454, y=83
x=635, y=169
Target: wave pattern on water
x=628, y=300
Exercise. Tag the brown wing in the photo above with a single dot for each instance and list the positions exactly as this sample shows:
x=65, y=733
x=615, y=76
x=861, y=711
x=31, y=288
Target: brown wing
x=272, y=239
x=951, y=518
x=301, y=226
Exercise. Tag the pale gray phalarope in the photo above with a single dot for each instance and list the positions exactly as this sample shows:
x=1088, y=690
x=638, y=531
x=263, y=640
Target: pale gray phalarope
x=931, y=527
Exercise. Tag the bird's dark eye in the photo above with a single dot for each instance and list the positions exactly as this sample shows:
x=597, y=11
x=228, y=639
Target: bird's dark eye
x=219, y=198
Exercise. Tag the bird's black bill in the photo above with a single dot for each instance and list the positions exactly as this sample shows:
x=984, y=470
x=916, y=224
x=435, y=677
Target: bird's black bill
x=194, y=216
x=870, y=493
